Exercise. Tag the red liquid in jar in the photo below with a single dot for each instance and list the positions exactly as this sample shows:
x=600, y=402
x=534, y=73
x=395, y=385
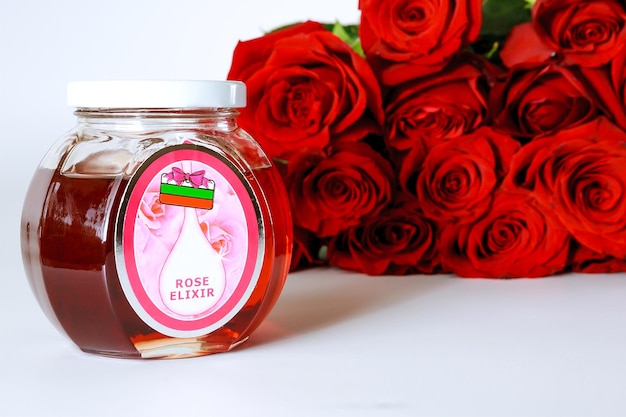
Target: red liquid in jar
x=68, y=227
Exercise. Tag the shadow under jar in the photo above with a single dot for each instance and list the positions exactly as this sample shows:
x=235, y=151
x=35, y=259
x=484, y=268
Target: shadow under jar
x=156, y=228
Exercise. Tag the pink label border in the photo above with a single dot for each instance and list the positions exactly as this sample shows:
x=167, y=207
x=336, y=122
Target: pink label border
x=248, y=277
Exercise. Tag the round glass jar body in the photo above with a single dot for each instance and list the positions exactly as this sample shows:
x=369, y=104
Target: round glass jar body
x=157, y=232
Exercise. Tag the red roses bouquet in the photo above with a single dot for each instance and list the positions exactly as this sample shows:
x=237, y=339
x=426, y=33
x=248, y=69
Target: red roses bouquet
x=481, y=138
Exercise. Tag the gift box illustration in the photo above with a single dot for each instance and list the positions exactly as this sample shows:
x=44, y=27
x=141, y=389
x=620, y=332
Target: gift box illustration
x=184, y=189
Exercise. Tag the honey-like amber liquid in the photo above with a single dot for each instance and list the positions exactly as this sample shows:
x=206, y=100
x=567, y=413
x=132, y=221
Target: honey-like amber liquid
x=68, y=241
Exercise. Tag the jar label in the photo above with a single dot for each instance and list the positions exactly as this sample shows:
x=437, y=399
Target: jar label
x=188, y=248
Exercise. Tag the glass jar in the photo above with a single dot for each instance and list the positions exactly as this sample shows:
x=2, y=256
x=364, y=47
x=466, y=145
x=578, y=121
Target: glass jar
x=157, y=227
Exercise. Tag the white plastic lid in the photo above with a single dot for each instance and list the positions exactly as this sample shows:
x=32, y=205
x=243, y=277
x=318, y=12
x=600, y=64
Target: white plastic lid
x=156, y=94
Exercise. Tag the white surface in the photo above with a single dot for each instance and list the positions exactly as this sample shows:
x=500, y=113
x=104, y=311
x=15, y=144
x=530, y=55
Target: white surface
x=337, y=344
x=156, y=94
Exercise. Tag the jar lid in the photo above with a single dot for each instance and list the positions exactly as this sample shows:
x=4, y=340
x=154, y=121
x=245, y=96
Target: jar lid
x=156, y=94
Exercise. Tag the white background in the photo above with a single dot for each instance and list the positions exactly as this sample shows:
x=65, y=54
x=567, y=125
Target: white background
x=337, y=344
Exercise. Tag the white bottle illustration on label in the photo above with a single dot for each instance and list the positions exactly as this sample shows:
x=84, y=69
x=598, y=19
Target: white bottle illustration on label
x=192, y=279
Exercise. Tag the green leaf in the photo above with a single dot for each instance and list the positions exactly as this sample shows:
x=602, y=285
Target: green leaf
x=347, y=33
x=499, y=16
x=322, y=254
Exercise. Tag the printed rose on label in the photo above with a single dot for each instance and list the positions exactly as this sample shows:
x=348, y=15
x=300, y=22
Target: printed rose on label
x=200, y=272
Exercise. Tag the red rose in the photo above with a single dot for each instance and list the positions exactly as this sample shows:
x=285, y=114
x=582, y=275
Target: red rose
x=330, y=193
x=606, y=84
x=456, y=179
x=435, y=108
x=618, y=75
x=524, y=46
x=541, y=100
x=588, y=261
x=514, y=239
x=584, y=32
x=405, y=39
x=580, y=175
x=305, y=86
x=614, y=97
x=398, y=241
